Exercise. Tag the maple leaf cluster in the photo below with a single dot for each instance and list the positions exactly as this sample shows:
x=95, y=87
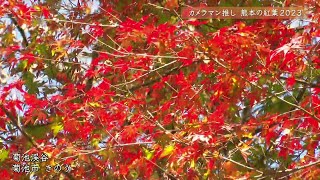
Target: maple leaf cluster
x=129, y=90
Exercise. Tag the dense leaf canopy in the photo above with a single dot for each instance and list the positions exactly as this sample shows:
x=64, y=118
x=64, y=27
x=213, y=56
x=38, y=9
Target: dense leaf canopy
x=121, y=89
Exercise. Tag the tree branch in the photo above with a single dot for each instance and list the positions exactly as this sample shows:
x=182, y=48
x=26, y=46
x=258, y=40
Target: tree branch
x=21, y=31
x=29, y=138
x=15, y=123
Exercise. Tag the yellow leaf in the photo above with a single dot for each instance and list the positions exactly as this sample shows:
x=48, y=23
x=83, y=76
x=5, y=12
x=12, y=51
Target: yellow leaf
x=193, y=164
x=167, y=151
x=53, y=52
x=217, y=93
x=248, y=136
x=234, y=80
x=94, y=104
x=148, y=154
x=37, y=8
x=205, y=119
x=3, y=154
x=242, y=25
x=216, y=154
x=56, y=127
x=95, y=142
x=207, y=174
x=243, y=34
x=88, y=10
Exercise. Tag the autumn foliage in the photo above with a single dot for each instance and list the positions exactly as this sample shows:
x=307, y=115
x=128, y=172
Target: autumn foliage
x=129, y=90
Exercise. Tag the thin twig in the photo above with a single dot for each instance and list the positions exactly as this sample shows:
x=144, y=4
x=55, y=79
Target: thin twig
x=242, y=165
x=15, y=123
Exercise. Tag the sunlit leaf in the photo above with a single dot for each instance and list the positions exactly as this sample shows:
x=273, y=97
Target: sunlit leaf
x=167, y=151
x=3, y=154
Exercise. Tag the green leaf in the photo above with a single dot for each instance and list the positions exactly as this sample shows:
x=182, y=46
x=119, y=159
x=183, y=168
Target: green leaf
x=262, y=81
x=3, y=154
x=22, y=65
x=42, y=49
x=226, y=3
x=51, y=71
x=48, y=90
x=164, y=16
x=32, y=86
x=38, y=131
x=275, y=105
x=256, y=3
x=134, y=174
